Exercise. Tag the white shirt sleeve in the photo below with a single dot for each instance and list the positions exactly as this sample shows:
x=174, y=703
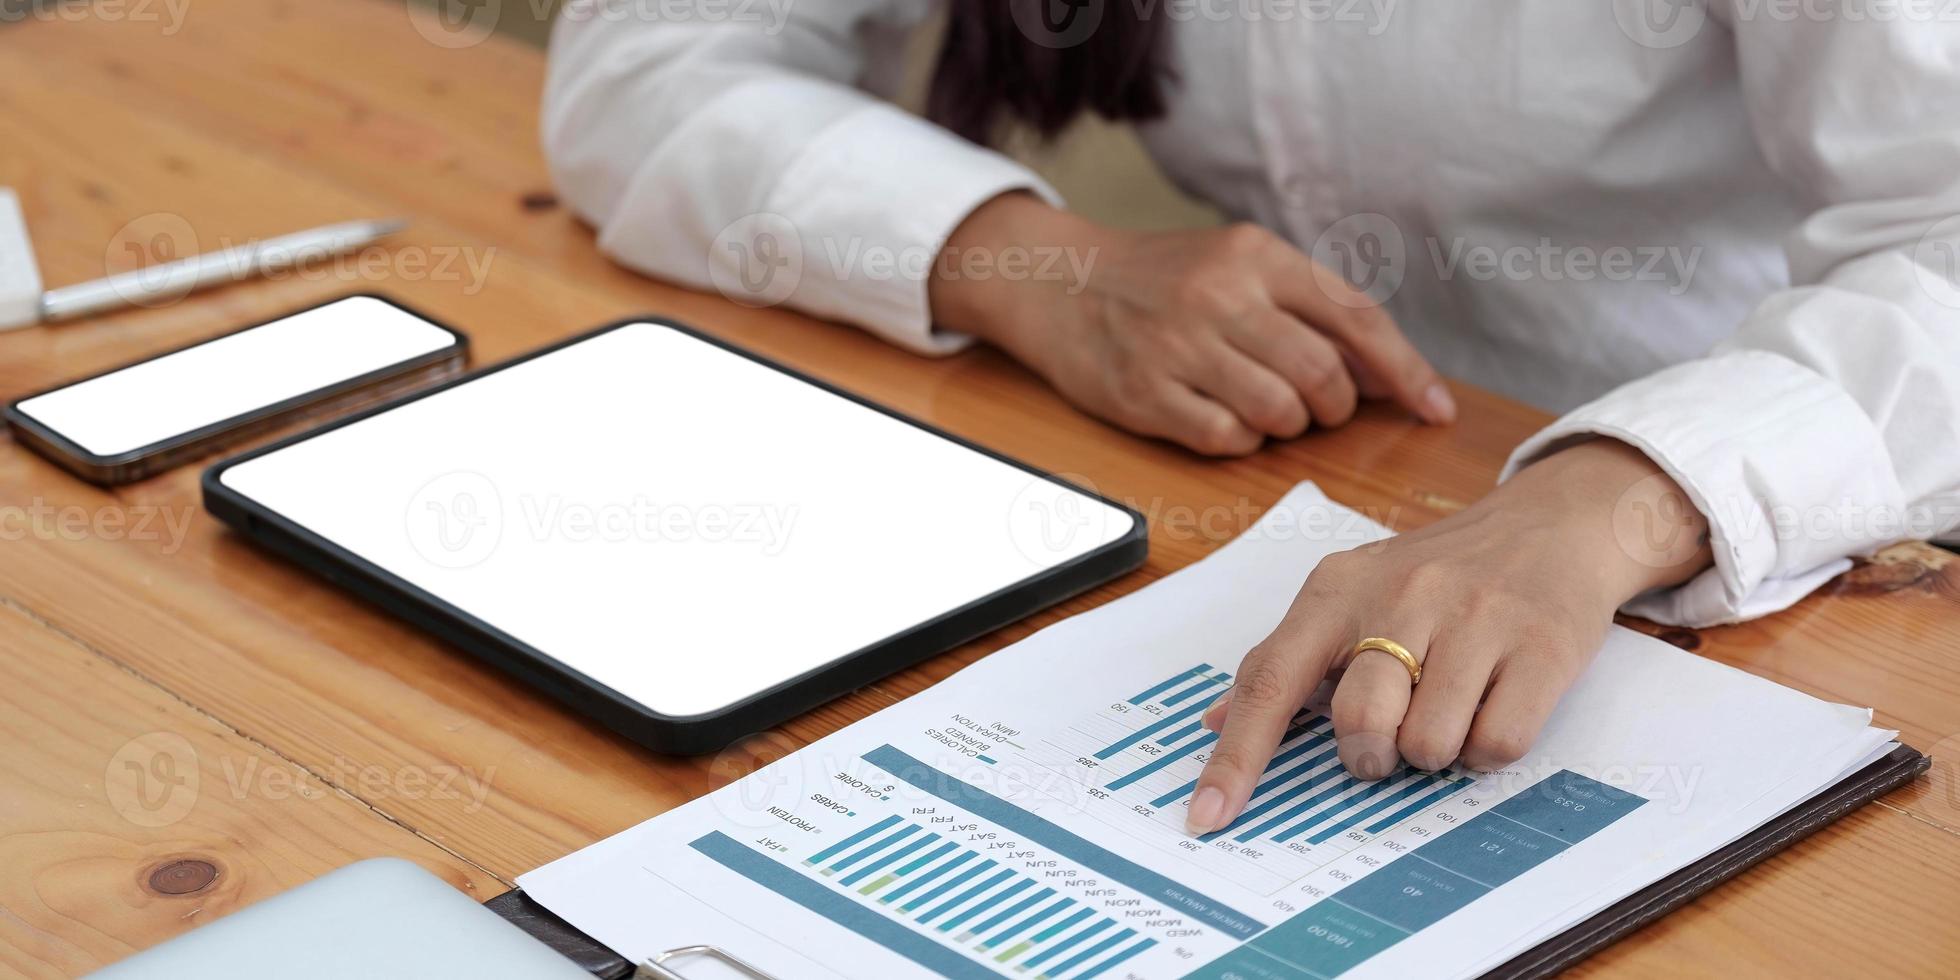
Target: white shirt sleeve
x=1829, y=424
x=737, y=153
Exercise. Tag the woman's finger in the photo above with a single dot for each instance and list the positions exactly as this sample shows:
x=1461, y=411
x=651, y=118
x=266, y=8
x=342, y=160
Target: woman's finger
x=1262, y=399
x=1310, y=362
x=1369, y=703
x=1214, y=717
x=1273, y=682
x=1198, y=423
x=1319, y=296
x=1521, y=697
x=1455, y=674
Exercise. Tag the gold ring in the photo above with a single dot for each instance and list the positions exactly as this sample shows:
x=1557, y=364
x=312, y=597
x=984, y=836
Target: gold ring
x=1393, y=649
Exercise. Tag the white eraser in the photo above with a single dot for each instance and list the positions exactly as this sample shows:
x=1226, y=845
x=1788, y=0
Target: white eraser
x=20, y=277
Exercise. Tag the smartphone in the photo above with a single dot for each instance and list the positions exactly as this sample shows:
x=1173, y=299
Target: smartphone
x=134, y=421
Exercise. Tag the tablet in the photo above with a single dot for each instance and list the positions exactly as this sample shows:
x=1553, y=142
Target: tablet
x=679, y=538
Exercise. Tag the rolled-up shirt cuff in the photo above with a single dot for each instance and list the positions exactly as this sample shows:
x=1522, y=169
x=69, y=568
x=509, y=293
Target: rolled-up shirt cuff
x=874, y=199
x=841, y=214
x=1790, y=472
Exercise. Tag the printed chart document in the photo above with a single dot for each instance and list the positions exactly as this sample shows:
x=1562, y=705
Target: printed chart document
x=1025, y=817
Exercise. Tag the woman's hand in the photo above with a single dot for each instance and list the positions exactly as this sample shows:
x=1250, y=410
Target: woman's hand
x=1215, y=339
x=1503, y=604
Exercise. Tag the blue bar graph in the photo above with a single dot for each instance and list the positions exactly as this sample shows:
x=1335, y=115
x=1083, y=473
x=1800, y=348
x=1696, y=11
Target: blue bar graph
x=1340, y=826
x=1028, y=923
x=1104, y=967
x=1197, y=671
x=928, y=858
x=1208, y=684
x=1418, y=888
x=1184, y=732
x=1368, y=791
x=1418, y=806
x=964, y=897
x=1342, y=783
x=891, y=934
x=1174, y=895
x=889, y=859
x=1304, y=794
x=1164, y=760
x=872, y=848
x=949, y=884
x=942, y=889
x=1262, y=803
x=1061, y=927
x=1010, y=912
x=990, y=902
x=1150, y=729
x=913, y=883
x=857, y=838
x=1092, y=952
x=1313, y=723
x=1065, y=944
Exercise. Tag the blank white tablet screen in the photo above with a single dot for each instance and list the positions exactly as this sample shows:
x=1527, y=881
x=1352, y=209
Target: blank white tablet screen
x=147, y=403
x=673, y=520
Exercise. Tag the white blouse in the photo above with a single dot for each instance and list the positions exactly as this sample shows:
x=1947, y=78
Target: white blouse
x=1726, y=232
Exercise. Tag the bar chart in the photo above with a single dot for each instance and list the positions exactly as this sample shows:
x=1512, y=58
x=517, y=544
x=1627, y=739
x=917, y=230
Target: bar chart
x=947, y=905
x=1419, y=887
x=1145, y=753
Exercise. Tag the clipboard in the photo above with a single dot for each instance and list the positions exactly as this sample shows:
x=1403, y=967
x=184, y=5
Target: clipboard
x=1895, y=769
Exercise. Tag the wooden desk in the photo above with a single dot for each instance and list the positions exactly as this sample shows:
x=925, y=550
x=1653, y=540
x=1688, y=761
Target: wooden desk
x=173, y=702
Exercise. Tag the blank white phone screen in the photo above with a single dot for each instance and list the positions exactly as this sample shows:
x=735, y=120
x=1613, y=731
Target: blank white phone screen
x=148, y=403
x=673, y=520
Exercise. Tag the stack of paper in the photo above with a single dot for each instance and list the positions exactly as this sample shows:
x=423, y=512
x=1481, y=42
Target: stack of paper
x=1024, y=818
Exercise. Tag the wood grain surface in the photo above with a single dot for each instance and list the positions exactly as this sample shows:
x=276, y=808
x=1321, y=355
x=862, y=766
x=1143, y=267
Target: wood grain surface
x=141, y=642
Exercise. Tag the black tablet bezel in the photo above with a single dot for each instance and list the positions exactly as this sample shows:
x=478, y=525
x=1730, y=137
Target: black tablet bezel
x=143, y=461
x=691, y=734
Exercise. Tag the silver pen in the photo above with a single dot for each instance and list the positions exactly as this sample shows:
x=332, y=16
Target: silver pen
x=184, y=276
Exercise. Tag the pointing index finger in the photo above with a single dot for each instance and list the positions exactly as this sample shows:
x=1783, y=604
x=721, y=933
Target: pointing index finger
x=1273, y=682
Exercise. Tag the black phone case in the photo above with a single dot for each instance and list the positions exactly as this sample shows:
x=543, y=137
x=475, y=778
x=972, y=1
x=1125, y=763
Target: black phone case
x=665, y=733
x=145, y=461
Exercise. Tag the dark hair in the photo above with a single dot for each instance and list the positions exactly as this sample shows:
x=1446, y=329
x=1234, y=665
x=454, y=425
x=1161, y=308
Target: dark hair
x=1010, y=59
